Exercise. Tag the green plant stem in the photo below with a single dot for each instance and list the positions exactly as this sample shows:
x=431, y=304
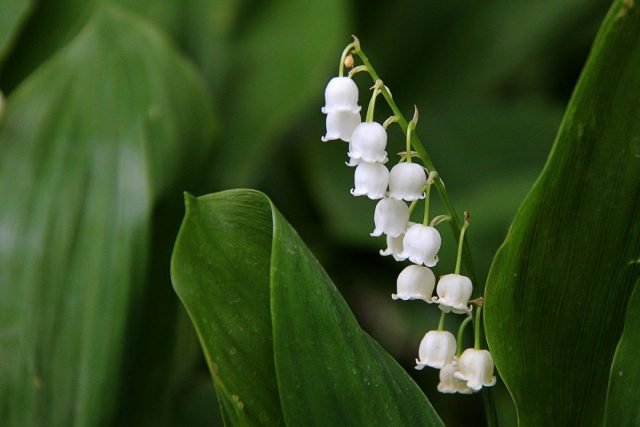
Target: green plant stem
x=455, y=222
x=463, y=325
x=409, y=129
x=345, y=52
x=372, y=105
x=476, y=328
x=427, y=198
x=460, y=244
x=441, y=322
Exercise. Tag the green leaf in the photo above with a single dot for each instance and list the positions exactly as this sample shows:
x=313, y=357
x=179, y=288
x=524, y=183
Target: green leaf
x=12, y=14
x=622, y=408
x=558, y=286
x=281, y=343
x=88, y=143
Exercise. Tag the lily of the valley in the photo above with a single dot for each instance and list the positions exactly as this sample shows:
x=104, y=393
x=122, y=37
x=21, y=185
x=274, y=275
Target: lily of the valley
x=341, y=94
x=390, y=217
x=475, y=368
x=340, y=125
x=368, y=144
x=415, y=282
x=437, y=349
x=371, y=180
x=449, y=383
x=407, y=181
x=454, y=291
x=421, y=244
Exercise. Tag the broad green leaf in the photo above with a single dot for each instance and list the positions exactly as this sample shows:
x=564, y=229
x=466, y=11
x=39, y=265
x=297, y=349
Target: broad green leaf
x=282, y=57
x=622, y=409
x=558, y=286
x=12, y=14
x=282, y=345
x=88, y=143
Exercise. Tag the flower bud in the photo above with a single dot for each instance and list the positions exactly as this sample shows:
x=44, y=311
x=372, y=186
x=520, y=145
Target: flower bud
x=421, y=244
x=454, y=292
x=341, y=94
x=390, y=217
x=340, y=125
x=368, y=143
x=415, y=282
x=436, y=349
x=407, y=181
x=371, y=179
x=475, y=367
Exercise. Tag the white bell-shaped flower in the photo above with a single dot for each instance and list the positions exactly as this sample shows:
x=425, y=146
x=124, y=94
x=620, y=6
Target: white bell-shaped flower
x=390, y=217
x=449, y=383
x=437, y=349
x=340, y=125
x=407, y=181
x=475, y=368
x=421, y=244
x=394, y=245
x=454, y=292
x=371, y=180
x=368, y=143
x=341, y=94
x=415, y=282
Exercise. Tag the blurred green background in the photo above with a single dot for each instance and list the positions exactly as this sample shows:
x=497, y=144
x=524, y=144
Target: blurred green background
x=491, y=80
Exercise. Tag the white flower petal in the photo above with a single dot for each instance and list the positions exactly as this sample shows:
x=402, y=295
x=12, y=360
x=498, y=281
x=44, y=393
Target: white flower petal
x=341, y=94
x=454, y=291
x=407, y=181
x=340, y=125
x=368, y=144
x=415, y=282
x=421, y=244
x=390, y=217
x=371, y=180
x=475, y=367
x=437, y=349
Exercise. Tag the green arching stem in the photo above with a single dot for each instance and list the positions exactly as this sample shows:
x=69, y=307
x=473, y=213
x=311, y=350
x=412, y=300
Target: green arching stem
x=441, y=322
x=460, y=244
x=372, y=104
x=410, y=127
x=426, y=160
x=463, y=325
x=427, y=197
x=412, y=206
x=476, y=328
x=345, y=52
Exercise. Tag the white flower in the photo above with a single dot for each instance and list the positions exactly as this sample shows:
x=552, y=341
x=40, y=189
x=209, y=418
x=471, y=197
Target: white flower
x=421, y=244
x=415, y=282
x=407, y=181
x=475, y=367
x=390, y=217
x=454, y=292
x=368, y=143
x=371, y=179
x=394, y=245
x=437, y=349
x=341, y=94
x=340, y=125
x=449, y=383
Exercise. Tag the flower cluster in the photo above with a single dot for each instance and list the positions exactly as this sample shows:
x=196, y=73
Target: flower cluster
x=398, y=191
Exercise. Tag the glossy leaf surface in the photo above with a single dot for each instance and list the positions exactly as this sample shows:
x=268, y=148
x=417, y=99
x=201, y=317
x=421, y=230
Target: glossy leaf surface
x=281, y=343
x=88, y=143
x=558, y=287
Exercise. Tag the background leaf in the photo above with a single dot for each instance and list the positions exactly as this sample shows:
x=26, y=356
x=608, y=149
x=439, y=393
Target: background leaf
x=622, y=397
x=12, y=15
x=558, y=286
x=249, y=282
x=88, y=144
